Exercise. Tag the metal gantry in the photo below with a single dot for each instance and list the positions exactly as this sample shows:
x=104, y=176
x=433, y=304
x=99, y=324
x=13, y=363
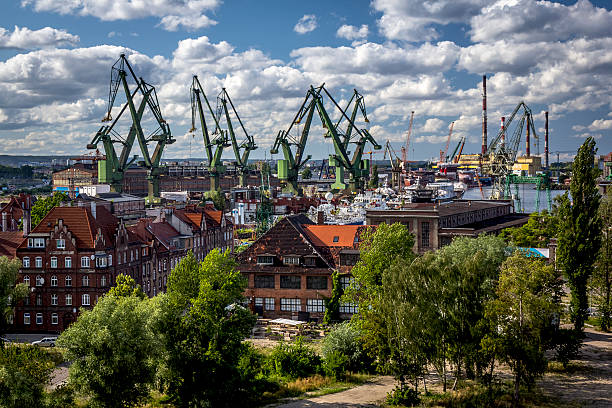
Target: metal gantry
x=112, y=170
x=218, y=139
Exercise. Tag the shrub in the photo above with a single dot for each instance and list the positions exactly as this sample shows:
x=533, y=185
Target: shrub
x=61, y=397
x=335, y=364
x=293, y=360
x=345, y=339
x=403, y=396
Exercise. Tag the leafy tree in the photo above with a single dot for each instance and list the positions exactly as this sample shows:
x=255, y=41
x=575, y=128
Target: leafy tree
x=374, y=179
x=602, y=275
x=42, y=206
x=580, y=230
x=345, y=340
x=306, y=173
x=202, y=326
x=126, y=286
x=217, y=197
x=24, y=372
x=10, y=291
x=537, y=233
x=113, y=348
x=524, y=314
x=293, y=360
x=332, y=305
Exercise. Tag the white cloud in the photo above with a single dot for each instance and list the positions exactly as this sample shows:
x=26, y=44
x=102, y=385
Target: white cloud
x=306, y=24
x=597, y=124
x=350, y=32
x=189, y=14
x=432, y=125
x=24, y=38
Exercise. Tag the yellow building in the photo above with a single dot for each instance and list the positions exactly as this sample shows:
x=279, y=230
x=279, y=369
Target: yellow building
x=527, y=166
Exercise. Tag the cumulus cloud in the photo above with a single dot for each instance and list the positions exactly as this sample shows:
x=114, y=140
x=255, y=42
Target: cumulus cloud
x=350, y=32
x=174, y=14
x=25, y=39
x=306, y=24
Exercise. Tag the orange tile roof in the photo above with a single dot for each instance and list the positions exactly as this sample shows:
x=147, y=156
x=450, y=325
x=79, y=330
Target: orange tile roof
x=195, y=218
x=332, y=235
x=215, y=215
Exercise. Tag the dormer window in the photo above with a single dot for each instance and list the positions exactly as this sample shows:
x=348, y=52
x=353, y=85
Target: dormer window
x=336, y=238
x=36, y=242
x=60, y=243
x=265, y=259
x=291, y=260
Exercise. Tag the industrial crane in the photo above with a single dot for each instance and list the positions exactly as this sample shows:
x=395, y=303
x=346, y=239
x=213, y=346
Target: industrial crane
x=242, y=149
x=219, y=138
x=443, y=153
x=456, y=155
x=396, y=166
x=405, y=148
x=112, y=170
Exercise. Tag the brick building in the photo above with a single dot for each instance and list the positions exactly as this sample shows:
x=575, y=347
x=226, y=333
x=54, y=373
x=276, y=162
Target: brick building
x=289, y=269
x=13, y=210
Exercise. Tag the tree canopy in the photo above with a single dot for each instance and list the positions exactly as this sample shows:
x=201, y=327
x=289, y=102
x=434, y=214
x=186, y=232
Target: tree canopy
x=10, y=291
x=42, y=206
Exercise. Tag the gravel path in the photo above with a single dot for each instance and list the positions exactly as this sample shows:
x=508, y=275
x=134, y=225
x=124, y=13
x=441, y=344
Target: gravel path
x=370, y=394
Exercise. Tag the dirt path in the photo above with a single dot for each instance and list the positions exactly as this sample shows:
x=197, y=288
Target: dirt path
x=369, y=394
x=591, y=384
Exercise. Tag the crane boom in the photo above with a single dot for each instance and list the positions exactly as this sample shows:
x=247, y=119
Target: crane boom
x=443, y=154
x=405, y=148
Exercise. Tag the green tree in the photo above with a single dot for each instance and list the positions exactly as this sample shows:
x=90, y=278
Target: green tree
x=580, y=228
x=126, y=286
x=306, y=173
x=217, y=197
x=202, y=327
x=373, y=183
x=332, y=305
x=42, y=206
x=24, y=372
x=602, y=275
x=113, y=349
x=524, y=315
x=537, y=233
x=10, y=291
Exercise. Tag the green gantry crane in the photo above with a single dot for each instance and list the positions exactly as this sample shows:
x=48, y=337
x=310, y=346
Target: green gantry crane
x=241, y=149
x=219, y=137
x=289, y=167
x=112, y=170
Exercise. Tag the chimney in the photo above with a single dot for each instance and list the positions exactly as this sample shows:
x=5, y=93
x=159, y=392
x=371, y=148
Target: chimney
x=503, y=137
x=320, y=218
x=27, y=221
x=4, y=221
x=546, y=140
x=484, y=115
x=93, y=209
x=527, y=147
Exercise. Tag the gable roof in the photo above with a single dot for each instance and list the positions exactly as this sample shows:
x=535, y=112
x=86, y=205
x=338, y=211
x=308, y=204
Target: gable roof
x=9, y=242
x=332, y=235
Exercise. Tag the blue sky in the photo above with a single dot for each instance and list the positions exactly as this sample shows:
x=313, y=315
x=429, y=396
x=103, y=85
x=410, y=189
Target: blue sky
x=402, y=55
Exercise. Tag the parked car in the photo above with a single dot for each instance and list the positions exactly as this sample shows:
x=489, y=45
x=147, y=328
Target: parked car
x=45, y=342
x=5, y=340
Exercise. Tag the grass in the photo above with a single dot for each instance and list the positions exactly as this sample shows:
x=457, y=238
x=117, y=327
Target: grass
x=571, y=368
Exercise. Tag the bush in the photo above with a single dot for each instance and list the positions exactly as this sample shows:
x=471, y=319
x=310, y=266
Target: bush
x=403, y=396
x=335, y=364
x=293, y=360
x=345, y=339
x=61, y=397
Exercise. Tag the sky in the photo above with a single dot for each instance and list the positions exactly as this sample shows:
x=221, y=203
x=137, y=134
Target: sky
x=401, y=55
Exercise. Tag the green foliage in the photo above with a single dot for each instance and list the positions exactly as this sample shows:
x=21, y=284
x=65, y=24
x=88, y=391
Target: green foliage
x=524, y=313
x=61, y=397
x=202, y=326
x=10, y=291
x=24, y=372
x=217, y=197
x=345, y=339
x=580, y=228
x=42, y=206
x=601, y=282
x=373, y=183
x=16, y=172
x=293, y=360
x=332, y=304
x=335, y=364
x=126, y=286
x=306, y=173
x=403, y=396
x=113, y=350
x=537, y=233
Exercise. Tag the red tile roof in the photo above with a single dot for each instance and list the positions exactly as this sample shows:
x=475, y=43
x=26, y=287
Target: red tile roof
x=9, y=242
x=332, y=235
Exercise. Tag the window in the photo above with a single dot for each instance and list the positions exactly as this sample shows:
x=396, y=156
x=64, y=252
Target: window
x=26, y=261
x=39, y=300
x=26, y=280
x=60, y=243
x=26, y=318
x=265, y=260
x=291, y=305
x=290, y=282
x=85, y=299
x=258, y=302
x=425, y=234
x=348, y=259
x=310, y=261
x=336, y=238
x=53, y=299
x=39, y=280
x=38, y=262
x=68, y=300
x=68, y=262
x=53, y=262
x=315, y=305
x=85, y=280
x=316, y=282
x=39, y=319
x=103, y=281
x=345, y=282
x=84, y=262
x=39, y=242
x=53, y=280
x=110, y=260
x=264, y=281
x=68, y=280
x=101, y=261
x=26, y=300
x=54, y=318
x=30, y=242
x=291, y=260
x=349, y=308
x=269, y=304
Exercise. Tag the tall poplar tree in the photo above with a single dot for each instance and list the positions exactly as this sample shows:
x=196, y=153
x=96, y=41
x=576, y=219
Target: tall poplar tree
x=580, y=230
